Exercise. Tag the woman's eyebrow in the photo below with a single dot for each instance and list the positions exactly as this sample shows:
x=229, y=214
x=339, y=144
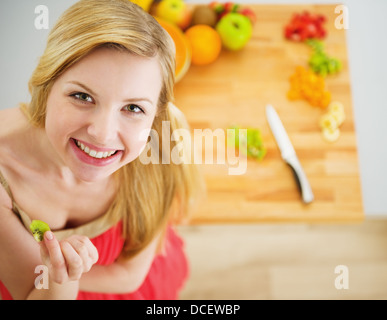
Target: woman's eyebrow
x=139, y=99
x=83, y=86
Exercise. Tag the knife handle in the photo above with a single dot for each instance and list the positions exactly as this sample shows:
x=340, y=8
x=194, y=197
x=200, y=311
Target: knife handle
x=302, y=180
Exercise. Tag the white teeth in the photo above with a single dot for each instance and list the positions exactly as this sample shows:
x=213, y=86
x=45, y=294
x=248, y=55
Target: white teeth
x=93, y=153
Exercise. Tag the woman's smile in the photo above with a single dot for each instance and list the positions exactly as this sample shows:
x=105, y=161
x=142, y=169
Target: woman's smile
x=93, y=151
x=93, y=155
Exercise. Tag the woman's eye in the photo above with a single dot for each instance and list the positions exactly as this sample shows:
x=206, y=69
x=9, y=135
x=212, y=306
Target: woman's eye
x=133, y=108
x=83, y=97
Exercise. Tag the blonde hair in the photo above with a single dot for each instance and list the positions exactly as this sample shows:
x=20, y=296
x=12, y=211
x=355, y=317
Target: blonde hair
x=147, y=193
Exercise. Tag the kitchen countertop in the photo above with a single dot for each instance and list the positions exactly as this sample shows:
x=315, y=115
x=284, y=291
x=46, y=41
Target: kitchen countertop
x=235, y=90
x=368, y=75
x=366, y=61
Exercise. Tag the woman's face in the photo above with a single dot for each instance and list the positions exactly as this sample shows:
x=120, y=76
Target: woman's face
x=100, y=111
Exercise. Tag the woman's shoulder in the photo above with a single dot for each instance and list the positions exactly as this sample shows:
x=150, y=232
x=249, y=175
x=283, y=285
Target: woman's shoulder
x=14, y=137
x=9, y=122
x=12, y=121
x=11, y=125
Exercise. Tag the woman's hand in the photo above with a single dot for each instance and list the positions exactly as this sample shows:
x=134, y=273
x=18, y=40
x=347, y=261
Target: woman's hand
x=67, y=259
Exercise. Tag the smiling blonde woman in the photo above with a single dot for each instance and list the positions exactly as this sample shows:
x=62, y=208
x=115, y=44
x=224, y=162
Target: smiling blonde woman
x=71, y=158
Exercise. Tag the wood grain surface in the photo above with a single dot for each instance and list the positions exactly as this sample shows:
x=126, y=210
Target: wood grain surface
x=235, y=90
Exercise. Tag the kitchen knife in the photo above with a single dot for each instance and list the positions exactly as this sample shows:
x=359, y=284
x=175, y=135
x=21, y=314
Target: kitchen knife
x=288, y=153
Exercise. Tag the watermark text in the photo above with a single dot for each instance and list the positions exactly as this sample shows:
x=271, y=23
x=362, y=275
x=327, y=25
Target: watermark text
x=41, y=20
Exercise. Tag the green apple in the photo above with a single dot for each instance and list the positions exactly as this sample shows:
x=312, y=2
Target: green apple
x=235, y=30
x=173, y=11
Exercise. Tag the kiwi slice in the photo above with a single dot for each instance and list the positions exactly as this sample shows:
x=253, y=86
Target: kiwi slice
x=38, y=228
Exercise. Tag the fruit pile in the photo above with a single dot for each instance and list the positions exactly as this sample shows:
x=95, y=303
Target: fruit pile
x=207, y=28
x=309, y=84
x=320, y=62
x=331, y=121
x=221, y=9
x=305, y=26
x=305, y=84
x=250, y=142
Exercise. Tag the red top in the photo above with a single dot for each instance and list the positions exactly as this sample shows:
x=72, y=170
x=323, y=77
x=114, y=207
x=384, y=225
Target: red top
x=166, y=276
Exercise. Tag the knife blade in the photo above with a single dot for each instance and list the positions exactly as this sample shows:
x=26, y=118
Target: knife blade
x=288, y=153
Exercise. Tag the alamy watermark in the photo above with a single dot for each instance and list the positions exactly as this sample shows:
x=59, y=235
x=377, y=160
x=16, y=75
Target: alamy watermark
x=342, y=280
x=41, y=281
x=41, y=21
x=189, y=149
x=342, y=20
x=42, y=17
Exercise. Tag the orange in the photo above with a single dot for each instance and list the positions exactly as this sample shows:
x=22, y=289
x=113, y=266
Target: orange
x=205, y=44
x=183, y=49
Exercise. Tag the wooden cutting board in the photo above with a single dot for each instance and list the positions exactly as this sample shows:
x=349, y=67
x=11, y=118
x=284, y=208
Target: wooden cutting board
x=235, y=90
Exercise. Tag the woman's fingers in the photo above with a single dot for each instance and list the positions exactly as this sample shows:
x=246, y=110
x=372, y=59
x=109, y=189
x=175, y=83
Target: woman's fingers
x=74, y=262
x=85, y=249
x=55, y=258
x=91, y=250
x=70, y=258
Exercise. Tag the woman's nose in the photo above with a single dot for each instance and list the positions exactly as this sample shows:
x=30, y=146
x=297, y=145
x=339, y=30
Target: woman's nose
x=103, y=126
